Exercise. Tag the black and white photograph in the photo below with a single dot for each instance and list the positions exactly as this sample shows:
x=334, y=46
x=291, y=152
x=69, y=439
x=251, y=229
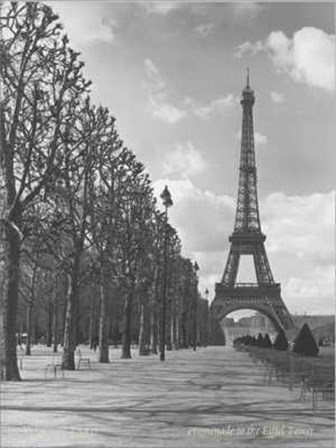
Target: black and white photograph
x=167, y=224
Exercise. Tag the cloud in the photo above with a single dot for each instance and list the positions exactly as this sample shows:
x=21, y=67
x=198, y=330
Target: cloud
x=247, y=10
x=154, y=76
x=301, y=225
x=160, y=7
x=203, y=221
x=184, y=161
x=317, y=285
x=259, y=139
x=165, y=111
x=202, y=218
x=308, y=57
x=299, y=232
x=87, y=25
x=248, y=47
x=157, y=104
x=204, y=29
x=277, y=97
x=160, y=107
x=313, y=293
x=218, y=106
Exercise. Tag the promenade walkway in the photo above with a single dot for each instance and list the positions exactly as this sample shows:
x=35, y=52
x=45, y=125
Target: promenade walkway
x=214, y=397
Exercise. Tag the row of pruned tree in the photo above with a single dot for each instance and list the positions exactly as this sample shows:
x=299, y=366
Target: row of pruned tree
x=304, y=343
x=81, y=235
x=260, y=341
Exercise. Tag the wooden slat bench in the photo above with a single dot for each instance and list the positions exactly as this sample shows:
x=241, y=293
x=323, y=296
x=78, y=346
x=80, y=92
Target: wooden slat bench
x=82, y=361
x=55, y=366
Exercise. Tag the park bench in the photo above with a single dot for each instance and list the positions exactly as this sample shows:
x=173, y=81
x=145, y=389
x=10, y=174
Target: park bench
x=321, y=388
x=20, y=361
x=20, y=357
x=324, y=390
x=82, y=361
x=306, y=387
x=54, y=367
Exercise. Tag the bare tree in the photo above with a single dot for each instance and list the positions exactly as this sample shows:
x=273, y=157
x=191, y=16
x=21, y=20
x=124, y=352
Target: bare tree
x=62, y=177
x=80, y=140
x=159, y=228
x=103, y=209
x=28, y=291
x=134, y=238
x=39, y=78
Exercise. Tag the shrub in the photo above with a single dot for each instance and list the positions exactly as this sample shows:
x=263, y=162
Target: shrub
x=281, y=342
x=260, y=340
x=267, y=342
x=248, y=340
x=305, y=343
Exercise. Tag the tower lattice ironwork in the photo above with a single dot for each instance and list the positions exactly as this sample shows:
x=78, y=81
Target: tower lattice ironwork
x=247, y=239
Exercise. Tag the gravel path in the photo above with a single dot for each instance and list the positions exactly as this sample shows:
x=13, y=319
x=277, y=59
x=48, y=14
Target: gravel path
x=215, y=397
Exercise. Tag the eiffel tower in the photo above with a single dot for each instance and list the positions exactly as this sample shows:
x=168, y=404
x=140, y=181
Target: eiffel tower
x=247, y=239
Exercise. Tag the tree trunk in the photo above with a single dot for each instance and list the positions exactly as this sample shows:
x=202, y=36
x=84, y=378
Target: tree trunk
x=154, y=330
x=55, y=316
x=9, y=255
x=110, y=327
x=10, y=261
x=64, y=310
x=103, y=337
x=169, y=333
x=92, y=330
x=126, y=343
x=143, y=340
x=184, y=336
x=206, y=329
x=50, y=322
x=154, y=333
x=116, y=332
x=173, y=332
x=69, y=341
x=36, y=329
x=77, y=326
x=29, y=326
x=194, y=343
x=177, y=333
x=30, y=311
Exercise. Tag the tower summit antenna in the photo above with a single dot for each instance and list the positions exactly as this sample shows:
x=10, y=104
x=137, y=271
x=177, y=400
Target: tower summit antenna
x=247, y=76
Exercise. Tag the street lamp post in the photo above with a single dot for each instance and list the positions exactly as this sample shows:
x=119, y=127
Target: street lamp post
x=196, y=268
x=167, y=202
x=207, y=317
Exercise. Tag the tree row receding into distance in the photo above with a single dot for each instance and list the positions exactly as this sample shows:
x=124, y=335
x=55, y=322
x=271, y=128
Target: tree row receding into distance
x=82, y=239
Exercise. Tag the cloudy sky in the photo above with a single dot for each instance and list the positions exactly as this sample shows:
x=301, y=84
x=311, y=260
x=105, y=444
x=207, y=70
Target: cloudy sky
x=172, y=75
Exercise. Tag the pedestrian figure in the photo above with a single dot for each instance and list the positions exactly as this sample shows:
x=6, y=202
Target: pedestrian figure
x=19, y=342
x=95, y=344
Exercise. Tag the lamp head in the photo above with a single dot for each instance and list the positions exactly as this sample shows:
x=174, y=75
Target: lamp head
x=166, y=197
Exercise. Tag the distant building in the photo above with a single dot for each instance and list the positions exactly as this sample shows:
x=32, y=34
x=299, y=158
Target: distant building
x=229, y=322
